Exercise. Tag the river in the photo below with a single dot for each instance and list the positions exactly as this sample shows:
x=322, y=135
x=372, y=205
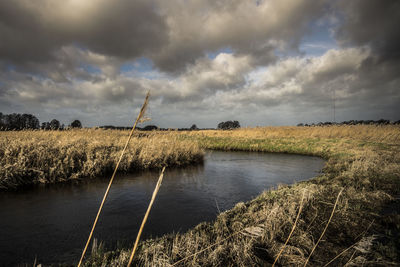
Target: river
x=52, y=223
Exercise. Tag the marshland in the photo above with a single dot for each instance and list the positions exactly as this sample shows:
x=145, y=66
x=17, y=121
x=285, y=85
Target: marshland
x=345, y=214
x=208, y=174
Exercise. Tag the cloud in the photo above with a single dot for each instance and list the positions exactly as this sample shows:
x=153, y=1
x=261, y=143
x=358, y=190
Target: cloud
x=308, y=85
x=225, y=85
x=373, y=23
x=209, y=60
x=256, y=28
x=33, y=31
x=173, y=34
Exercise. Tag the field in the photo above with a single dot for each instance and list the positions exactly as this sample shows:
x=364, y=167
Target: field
x=348, y=215
x=35, y=157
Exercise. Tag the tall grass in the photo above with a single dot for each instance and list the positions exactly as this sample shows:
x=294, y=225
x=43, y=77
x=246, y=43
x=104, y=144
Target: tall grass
x=32, y=157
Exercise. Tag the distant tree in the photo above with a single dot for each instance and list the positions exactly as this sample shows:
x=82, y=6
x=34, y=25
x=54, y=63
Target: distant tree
x=45, y=125
x=17, y=121
x=228, y=125
x=54, y=124
x=34, y=122
x=2, y=125
x=76, y=124
x=14, y=121
x=194, y=127
x=28, y=121
x=150, y=128
x=382, y=121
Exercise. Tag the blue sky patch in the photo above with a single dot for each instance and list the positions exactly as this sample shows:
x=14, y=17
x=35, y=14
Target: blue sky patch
x=10, y=67
x=226, y=50
x=91, y=69
x=142, y=64
x=319, y=40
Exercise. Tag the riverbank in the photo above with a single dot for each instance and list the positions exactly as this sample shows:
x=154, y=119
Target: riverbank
x=43, y=157
x=362, y=176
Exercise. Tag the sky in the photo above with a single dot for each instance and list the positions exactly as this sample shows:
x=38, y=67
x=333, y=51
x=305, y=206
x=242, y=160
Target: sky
x=271, y=62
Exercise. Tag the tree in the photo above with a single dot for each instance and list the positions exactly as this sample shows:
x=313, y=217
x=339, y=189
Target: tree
x=33, y=122
x=194, y=127
x=76, y=124
x=54, y=124
x=150, y=128
x=45, y=125
x=2, y=125
x=17, y=121
x=226, y=125
x=14, y=121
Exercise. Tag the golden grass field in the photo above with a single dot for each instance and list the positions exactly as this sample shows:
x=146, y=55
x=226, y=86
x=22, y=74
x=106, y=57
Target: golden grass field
x=361, y=230
x=386, y=133
x=362, y=162
x=32, y=157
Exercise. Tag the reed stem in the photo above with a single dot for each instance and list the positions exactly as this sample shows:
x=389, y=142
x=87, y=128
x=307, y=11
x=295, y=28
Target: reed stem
x=141, y=114
x=291, y=232
x=326, y=227
x=146, y=215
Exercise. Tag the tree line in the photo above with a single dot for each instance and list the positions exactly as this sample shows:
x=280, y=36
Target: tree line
x=16, y=121
x=353, y=122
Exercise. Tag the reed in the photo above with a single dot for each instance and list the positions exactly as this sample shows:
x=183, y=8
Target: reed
x=291, y=232
x=326, y=227
x=139, y=117
x=153, y=197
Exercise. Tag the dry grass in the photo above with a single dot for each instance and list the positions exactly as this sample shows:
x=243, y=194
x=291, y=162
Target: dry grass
x=377, y=133
x=363, y=161
x=31, y=157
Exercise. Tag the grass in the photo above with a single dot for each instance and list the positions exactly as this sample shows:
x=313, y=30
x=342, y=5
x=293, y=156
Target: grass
x=34, y=157
x=359, y=228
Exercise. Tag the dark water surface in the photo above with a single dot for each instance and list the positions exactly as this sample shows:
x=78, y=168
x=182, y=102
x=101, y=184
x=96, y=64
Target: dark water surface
x=52, y=223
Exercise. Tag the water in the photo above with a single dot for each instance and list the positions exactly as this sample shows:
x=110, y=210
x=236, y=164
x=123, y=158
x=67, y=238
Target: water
x=52, y=223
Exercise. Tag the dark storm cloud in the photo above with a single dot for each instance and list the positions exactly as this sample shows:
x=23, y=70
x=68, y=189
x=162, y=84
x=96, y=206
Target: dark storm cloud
x=374, y=23
x=35, y=30
x=172, y=33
